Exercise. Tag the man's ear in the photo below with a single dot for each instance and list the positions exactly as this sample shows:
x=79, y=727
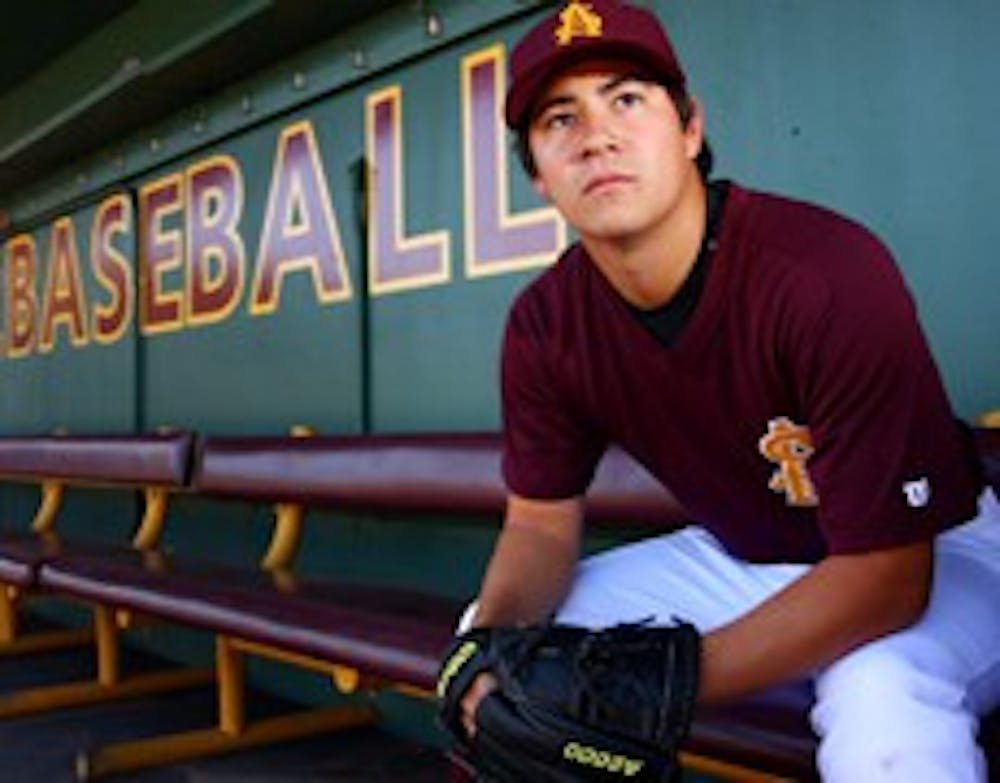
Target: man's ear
x=694, y=131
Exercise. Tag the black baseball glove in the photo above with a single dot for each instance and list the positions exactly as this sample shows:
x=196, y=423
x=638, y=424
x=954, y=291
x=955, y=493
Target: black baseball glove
x=575, y=704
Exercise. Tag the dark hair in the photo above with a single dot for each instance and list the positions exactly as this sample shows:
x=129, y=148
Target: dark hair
x=685, y=109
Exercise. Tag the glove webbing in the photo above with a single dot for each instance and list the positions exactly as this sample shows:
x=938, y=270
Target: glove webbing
x=684, y=665
x=601, y=665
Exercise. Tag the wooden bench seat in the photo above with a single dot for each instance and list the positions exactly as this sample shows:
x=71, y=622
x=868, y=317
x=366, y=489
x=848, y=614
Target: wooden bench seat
x=20, y=556
x=391, y=634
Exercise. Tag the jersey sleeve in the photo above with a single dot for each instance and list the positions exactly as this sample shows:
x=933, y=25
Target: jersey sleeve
x=890, y=465
x=550, y=452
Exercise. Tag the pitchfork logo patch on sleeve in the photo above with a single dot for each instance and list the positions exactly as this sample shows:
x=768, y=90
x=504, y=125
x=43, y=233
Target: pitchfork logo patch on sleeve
x=789, y=446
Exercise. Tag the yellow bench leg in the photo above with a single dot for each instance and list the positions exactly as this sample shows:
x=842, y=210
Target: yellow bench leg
x=11, y=644
x=185, y=746
x=47, y=641
x=231, y=733
x=108, y=685
x=8, y=614
x=231, y=669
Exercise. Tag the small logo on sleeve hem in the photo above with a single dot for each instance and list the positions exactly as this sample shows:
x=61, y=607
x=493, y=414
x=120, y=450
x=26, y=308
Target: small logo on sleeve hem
x=917, y=493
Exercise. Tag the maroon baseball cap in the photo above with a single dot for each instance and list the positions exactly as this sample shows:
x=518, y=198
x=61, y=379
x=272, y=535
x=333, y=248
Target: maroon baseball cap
x=582, y=30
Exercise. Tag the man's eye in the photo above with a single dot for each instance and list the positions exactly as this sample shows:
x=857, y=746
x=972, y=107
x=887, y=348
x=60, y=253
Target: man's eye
x=627, y=100
x=559, y=120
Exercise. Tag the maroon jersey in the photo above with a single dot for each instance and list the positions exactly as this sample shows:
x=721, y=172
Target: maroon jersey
x=799, y=413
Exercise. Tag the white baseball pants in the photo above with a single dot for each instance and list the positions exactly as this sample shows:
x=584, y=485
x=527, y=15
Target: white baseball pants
x=904, y=708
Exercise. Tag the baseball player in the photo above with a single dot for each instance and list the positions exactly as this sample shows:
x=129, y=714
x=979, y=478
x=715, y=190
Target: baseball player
x=762, y=357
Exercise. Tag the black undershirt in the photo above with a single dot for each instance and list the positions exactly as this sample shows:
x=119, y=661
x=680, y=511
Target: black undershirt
x=667, y=321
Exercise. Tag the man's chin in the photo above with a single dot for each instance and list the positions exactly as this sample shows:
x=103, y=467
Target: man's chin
x=609, y=230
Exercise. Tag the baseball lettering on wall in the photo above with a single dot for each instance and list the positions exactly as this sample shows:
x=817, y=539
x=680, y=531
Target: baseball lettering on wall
x=496, y=241
x=21, y=305
x=181, y=255
x=300, y=226
x=112, y=269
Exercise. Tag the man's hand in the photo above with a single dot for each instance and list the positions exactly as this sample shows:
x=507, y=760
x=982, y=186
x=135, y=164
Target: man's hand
x=464, y=682
x=481, y=687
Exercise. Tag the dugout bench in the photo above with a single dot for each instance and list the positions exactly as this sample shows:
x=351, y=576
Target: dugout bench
x=152, y=466
x=367, y=637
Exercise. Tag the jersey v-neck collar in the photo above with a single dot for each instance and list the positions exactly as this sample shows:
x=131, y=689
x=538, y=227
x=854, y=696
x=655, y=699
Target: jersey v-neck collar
x=667, y=321
x=697, y=331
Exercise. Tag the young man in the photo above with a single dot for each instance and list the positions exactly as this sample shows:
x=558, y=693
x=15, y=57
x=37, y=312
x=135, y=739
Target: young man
x=762, y=358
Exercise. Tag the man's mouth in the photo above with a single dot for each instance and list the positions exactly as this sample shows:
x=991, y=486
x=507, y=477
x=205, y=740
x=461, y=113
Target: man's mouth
x=605, y=182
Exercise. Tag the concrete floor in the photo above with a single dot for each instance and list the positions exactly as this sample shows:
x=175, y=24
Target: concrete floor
x=42, y=749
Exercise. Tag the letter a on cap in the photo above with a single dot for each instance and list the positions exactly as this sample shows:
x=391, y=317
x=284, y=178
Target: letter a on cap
x=578, y=20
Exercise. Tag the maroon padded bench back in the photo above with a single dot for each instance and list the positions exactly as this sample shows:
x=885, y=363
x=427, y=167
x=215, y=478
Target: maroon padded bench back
x=435, y=473
x=162, y=460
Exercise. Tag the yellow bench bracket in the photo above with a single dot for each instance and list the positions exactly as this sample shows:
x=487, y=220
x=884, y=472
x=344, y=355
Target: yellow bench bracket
x=154, y=517
x=285, y=539
x=52, y=498
x=232, y=731
x=108, y=683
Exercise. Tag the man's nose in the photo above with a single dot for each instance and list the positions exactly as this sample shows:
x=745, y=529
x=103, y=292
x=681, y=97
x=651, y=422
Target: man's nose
x=598, y=133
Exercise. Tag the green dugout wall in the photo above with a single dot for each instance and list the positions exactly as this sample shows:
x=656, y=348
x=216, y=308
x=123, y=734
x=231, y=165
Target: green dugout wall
x=884, y=111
